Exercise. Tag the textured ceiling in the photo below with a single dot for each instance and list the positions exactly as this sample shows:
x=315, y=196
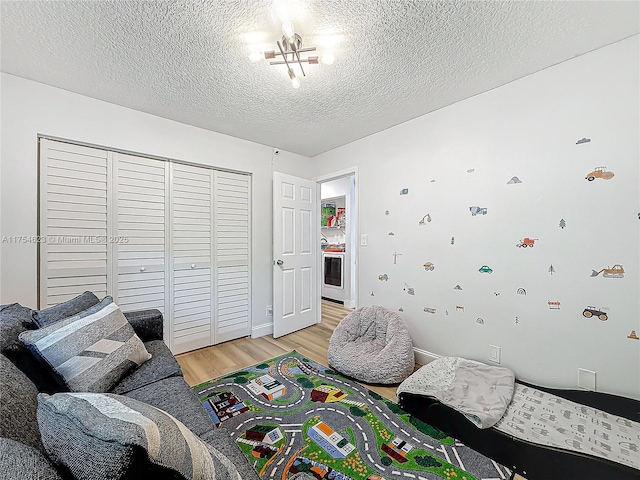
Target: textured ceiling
x=394, y=59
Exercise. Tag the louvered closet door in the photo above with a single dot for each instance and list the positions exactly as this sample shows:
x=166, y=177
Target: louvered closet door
x=232, y=255
x=192, y=251
x=140, y=245
x=74, y=182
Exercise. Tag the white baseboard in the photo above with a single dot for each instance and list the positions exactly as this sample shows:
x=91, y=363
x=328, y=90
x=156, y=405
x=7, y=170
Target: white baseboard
x=262, y=330
x=423, y=357
x=350, y=303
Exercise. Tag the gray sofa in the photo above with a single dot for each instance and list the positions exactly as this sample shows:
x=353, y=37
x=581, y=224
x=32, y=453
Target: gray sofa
x=158, y=382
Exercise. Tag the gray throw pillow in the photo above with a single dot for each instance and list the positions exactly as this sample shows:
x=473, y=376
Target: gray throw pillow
x=19, y=401
x=15, y=319
x=90, y=351
x=20, y=461
x=51, y=315
x=111, y=437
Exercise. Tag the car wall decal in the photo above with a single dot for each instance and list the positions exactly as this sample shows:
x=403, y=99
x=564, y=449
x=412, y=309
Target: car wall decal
x=633, y=335
x=404, y=191
x=480, y=321
x=429, y=266
x=583, y=140
x=591, y=311
x=409, y=289
x=485, y=269
x=457, y=287
x=610, y=272
x=599, y=172
x=391, y=234
x=429, y=310
x=384, y=277
x=514, y=180
x=521, y=291
x=553, y=304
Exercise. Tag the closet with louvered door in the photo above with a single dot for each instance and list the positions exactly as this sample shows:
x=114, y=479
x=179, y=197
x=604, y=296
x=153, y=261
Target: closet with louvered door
x=140, y=279
x=73, y=222
x=232, y=254
x=151, y=233
x=192, y=235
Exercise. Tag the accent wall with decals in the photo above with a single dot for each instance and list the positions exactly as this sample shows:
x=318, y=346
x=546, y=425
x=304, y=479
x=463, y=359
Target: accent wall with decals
x=512, y=219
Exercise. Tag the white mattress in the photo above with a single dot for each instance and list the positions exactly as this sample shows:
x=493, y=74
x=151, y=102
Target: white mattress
x=546, y=419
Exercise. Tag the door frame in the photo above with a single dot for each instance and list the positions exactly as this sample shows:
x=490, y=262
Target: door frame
x=353, y=219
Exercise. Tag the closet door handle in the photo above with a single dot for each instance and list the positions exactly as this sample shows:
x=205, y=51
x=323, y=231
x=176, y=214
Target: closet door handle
x=142, y=269
x=193, y=265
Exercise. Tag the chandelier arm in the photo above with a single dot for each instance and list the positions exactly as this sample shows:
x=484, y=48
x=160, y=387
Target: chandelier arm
x=280, y=62
x=283, y=55
x=300, y=63
x=301, y=50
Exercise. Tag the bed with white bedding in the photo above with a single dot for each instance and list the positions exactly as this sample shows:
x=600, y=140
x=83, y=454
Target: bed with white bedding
x=541, y=433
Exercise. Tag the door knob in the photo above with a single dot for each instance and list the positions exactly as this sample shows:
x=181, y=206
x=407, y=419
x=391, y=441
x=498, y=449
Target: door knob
x=193, y=265
x=280, y=263
x=142, y=269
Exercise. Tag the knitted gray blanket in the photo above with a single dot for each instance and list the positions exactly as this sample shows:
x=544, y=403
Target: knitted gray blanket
x=481, y=392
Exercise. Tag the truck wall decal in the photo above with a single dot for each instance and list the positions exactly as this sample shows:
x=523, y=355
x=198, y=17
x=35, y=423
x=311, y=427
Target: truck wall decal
x=527, y=242
x=610, y=272
x=475, y=210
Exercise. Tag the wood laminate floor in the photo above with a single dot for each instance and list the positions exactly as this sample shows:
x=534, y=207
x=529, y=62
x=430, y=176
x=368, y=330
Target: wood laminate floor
x=211, y=362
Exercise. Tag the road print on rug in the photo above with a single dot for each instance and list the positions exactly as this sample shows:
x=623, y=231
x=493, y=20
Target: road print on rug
x=291, y=414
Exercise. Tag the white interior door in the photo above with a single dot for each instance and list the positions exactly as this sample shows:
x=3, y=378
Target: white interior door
x=295, y=254
x=232, y=202
x=140, y=233
x=74, y=191
x=192, y=305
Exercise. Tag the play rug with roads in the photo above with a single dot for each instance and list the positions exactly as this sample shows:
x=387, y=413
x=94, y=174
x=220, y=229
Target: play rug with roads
x=291, y=414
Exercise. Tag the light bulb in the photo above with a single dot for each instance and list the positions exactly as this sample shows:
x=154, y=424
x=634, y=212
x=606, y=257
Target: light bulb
x=288, y=31
x=295, y=83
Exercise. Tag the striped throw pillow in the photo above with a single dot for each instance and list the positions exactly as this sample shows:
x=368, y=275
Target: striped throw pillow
x=111, y=437
x=90, y=351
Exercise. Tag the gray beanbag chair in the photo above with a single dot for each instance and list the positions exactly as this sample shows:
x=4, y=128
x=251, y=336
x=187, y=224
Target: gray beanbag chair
x=372, y=345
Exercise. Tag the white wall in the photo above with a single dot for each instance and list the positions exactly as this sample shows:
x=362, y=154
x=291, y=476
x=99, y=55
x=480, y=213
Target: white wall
x=30, y=108
x=463, y=156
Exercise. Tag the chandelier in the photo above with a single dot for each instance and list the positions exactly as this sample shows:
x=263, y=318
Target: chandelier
x=290, y=50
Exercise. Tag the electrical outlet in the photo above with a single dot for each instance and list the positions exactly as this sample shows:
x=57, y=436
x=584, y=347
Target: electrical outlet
x=494, y=354
x=586, y=379
x=269, y=310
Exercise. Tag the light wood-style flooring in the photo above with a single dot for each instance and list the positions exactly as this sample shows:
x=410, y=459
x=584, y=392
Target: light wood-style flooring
x=211, y=362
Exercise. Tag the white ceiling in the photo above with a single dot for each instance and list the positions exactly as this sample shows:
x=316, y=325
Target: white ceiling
x=394, y=59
